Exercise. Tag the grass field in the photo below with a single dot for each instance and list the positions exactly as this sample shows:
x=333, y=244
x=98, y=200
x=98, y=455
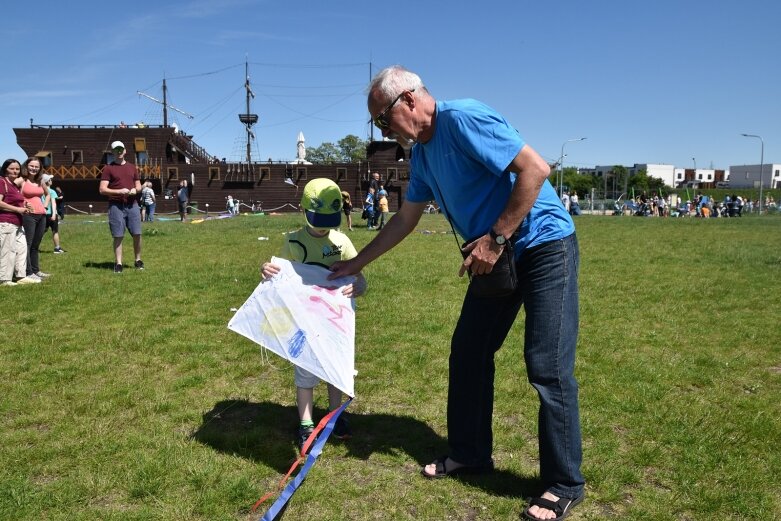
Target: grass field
x=125, y=397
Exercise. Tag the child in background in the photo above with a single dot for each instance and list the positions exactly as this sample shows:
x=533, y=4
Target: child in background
x=383, y=206
x=52, y=213
x=347, y=208
x=368, y=209
x=320, y=244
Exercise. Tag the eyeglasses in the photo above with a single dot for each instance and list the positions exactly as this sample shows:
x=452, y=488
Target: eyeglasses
x=381, y=121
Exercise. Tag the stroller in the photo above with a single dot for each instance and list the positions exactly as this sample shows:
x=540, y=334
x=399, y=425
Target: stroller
x=642, y=210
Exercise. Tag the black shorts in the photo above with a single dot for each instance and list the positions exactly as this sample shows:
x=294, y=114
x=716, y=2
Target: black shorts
x=53, y=224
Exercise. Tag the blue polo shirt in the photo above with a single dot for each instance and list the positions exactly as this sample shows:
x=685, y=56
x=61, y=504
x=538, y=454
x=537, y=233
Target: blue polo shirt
x=464, y=168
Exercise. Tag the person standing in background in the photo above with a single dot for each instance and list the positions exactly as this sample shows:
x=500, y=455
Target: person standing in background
x=376, y=184
x=181, y=197
x=347, y=208
x=119, y=182
x=13, y=245
x=34, y=222
x=52, y=218
x=60, y=203
x=382, y=203
x=149, y=201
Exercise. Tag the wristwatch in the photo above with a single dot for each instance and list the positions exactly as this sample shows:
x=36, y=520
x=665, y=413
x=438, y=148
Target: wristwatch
x=498, y=239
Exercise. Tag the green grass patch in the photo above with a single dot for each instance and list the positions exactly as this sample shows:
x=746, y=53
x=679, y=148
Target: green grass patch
x=125, y=397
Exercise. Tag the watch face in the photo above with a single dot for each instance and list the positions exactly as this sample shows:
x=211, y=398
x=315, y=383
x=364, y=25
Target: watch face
x=498, y=239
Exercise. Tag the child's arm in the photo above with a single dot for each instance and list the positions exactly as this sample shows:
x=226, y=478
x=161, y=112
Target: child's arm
x=357, y=288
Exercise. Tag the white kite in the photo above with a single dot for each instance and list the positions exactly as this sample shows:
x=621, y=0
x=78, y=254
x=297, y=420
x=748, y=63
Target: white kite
x=303, y=317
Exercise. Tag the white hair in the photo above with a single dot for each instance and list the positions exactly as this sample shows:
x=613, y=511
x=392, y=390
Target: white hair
x=394, y=80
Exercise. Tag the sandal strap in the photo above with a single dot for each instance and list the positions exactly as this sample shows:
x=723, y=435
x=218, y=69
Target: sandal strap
x=557, y=507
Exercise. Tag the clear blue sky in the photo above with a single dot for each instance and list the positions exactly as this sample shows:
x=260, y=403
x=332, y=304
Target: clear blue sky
x=646, y=82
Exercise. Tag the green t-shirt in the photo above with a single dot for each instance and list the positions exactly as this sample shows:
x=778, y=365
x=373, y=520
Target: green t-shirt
x=323, y=251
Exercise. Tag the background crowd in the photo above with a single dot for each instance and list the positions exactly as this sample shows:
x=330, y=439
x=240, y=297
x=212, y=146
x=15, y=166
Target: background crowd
x=29, y=206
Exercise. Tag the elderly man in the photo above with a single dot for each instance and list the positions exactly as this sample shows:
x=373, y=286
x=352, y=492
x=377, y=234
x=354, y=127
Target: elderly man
x=493, y=188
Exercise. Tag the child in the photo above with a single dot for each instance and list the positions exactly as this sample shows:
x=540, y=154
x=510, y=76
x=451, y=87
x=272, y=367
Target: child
x=383, y=206
x=318, y=243
x=347, y=208
x=52, y=214
x=368, y=209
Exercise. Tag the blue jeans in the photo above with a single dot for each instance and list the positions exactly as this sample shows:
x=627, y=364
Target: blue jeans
x=548, y=290
x=150, y=212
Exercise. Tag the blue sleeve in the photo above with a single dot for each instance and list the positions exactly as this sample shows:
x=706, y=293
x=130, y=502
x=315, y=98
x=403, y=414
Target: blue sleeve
x=487, y=138
x=417, y=190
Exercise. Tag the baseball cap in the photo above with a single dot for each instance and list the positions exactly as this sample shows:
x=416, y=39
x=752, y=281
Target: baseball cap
x=117, y=144
x=322, y=203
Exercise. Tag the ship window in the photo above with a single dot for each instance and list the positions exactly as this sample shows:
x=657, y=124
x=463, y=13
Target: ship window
x=391, y=174
x=173, y=172
x=214, y=173
x=45, y=157
x=265, y=172
x=77, y=157
x=301, y=173
x=341, y=173
x=140, y=143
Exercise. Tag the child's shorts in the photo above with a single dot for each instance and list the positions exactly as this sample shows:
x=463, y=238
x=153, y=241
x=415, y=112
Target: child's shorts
x=304, y=378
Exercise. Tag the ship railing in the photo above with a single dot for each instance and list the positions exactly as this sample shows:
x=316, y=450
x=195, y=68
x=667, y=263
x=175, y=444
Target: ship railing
x=94, y=171
x=192, y=149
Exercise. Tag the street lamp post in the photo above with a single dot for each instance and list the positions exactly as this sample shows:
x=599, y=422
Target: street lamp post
x=561, y=164
x=761, y=166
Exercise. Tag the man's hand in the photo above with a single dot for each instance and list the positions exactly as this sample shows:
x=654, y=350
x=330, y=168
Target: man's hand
x=481, y=255
x=344, y=268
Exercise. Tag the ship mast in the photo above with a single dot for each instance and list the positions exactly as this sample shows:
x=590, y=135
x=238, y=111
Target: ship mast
x=247, y=118
x=165, y=104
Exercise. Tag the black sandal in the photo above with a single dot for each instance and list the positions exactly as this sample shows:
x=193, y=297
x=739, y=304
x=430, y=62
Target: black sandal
x=441, y=470
x=561, y=507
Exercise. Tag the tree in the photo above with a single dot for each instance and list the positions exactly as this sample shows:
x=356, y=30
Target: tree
x=639, y=181
x=325, y=154
x=349, y=149
x=352, y=148
x=576, y=182
x=621, y=175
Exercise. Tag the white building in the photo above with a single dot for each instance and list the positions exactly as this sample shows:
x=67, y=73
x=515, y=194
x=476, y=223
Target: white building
x=747, y=176
x=660, y=171
x=696, y=178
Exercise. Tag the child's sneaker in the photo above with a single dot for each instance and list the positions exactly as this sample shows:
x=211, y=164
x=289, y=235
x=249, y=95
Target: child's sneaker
x=303, y=435
x=342, y=428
